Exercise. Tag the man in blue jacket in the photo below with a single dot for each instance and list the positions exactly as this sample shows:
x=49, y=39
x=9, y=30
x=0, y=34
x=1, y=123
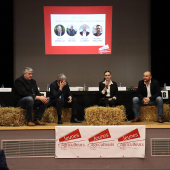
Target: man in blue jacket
x=148, y=93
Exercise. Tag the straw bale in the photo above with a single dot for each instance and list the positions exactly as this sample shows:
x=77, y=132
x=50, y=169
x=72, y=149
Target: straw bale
x=148, y=113
x=10, y=116
x=50, y=115
x=166, y=112
x=105, y=115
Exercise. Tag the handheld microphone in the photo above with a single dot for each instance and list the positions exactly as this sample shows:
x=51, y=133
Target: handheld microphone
x=107, y=81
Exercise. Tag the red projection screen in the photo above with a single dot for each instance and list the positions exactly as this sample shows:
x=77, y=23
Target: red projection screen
x=78, y=30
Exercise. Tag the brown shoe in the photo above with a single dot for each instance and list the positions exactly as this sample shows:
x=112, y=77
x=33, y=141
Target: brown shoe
x=136, y=120
x=38, y=122
x=160, y=120
x=30, y=124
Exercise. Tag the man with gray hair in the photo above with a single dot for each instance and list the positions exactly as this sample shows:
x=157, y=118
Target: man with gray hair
x=27, y=96
x=59, y=31
x=60, y=96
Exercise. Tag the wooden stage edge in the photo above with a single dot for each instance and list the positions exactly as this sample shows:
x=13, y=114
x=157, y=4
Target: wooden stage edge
x=50, y=126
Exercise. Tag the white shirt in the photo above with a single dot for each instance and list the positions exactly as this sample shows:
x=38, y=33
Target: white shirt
x=148, y=89
x=108, y=89
x=84, y=33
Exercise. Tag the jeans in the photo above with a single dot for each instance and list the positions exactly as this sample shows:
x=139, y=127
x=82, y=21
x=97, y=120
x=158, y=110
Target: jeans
x=29, y=104
x=158, y=102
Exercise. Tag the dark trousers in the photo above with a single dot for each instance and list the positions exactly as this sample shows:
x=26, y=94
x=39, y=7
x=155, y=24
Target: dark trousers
x=59, y=103
x=105, y=102
x=29, y=104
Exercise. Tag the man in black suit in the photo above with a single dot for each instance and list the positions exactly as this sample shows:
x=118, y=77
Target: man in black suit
x=108, y=90
x=84, y=32
x=3, y=164
x=148, y=93
x=61, y=97
x=27, y=96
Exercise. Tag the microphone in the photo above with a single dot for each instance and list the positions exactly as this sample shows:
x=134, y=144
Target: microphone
x=107, y=81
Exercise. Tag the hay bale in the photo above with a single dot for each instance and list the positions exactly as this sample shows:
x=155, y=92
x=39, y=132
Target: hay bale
x=50, y=115
x=105, y=115
x=148, y=113
x=10, y=116
x=166, y=112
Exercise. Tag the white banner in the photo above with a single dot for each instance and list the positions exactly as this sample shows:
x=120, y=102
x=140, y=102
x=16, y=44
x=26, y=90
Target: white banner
x=100, y=141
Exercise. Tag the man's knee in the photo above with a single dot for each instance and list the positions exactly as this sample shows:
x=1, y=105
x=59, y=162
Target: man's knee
x=159, y=99
x=135, y=100
x=30, y=100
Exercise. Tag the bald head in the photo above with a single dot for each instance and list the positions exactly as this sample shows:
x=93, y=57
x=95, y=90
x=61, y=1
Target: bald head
x=147, y=76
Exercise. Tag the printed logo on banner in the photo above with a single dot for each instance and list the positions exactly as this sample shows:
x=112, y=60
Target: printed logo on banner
x=124, y=141
x=71, y=136
x=98, y=137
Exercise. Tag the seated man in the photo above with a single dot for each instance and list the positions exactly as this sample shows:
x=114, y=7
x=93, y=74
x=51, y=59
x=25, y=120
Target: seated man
x=148, y=93
x=27, y=96
x=3, y=164
x=61, y=97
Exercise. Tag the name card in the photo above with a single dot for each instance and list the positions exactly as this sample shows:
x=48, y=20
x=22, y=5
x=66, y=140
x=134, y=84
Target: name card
x=121, y=88
x=93, y=88
x=164, y=94
x=5, y=89
x=167, y=87
x=74, y=89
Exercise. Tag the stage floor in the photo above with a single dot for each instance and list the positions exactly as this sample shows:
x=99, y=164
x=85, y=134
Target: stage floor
x=148, y=124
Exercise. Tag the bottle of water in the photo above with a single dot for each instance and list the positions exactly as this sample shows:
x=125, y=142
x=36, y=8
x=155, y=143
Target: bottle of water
x=2, y=86
x=120, y=85
x=48, y=86
x=164, y=86
x=84, y=87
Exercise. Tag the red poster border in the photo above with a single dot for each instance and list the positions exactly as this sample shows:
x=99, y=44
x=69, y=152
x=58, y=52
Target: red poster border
x=48, y=10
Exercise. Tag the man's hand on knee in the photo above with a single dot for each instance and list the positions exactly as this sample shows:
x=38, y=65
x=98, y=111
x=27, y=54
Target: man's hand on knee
x=42, y=98
x=69, y=99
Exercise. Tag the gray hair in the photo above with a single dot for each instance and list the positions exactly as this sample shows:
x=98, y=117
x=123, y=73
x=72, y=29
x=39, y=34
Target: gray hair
x=26, y=69
x=61, y=76
x=59, y=27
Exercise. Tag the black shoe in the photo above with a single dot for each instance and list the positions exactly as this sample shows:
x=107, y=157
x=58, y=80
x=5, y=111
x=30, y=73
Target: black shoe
x=74, y=120
x=60, y=122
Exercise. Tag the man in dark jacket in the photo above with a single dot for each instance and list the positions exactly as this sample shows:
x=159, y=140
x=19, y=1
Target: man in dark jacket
x=3, y=164
x=60, y=96
x=149, y=93
x=27, y=96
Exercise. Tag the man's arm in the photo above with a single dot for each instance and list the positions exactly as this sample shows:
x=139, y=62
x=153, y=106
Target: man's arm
x=55, y=91
x=157, y=90
x=21, y=89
